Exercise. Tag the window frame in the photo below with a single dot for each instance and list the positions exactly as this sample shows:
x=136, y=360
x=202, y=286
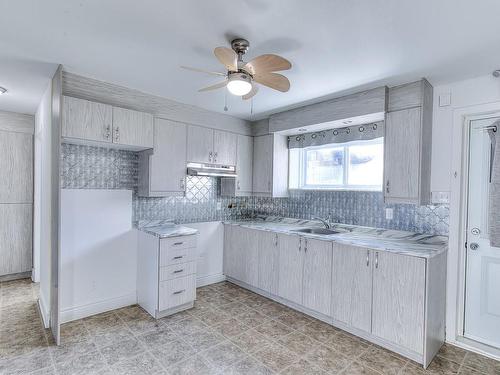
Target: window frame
x=343, y=187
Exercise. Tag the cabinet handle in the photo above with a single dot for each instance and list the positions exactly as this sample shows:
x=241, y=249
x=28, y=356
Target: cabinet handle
x=367, y=258
x=182, y=184
x=276, y=240
x=210, y=156
x=107, y=131
x=376, y=260
x=215, y=157
x=180, y=291
x=179, y=257
x=300, y=243
x=269, y=185
x=387, y=187
x=117, y=134
x=178, y=243
x=178, y=271
x=305, y=245
x=238, y=184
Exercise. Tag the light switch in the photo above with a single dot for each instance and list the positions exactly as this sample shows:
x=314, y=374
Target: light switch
x=389, y=213
x=440, y=197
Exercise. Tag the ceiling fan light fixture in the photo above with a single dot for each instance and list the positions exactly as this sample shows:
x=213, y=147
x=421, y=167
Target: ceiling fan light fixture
x=239, y=84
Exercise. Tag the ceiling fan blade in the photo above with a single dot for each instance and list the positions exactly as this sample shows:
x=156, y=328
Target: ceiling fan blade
x=202, y=71
x=273, y=80
x=214, y=87
x=252, y=92
x=267, y=63
x=227, y=57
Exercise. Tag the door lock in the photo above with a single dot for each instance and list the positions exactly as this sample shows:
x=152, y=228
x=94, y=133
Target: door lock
x=474, y=246
x=475, y=231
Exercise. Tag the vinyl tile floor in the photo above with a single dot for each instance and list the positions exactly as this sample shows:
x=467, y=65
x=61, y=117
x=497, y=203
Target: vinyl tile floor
x=229, y=331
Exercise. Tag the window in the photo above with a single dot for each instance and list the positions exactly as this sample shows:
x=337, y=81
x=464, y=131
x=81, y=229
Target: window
x=345, y=166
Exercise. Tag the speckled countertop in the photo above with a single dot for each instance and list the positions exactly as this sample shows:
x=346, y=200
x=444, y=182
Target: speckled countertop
x=396, y=241
x=164, y=228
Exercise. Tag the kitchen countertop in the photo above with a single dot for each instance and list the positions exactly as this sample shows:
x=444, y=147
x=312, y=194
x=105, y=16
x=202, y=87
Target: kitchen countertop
x=164, y=228
x=396, y=241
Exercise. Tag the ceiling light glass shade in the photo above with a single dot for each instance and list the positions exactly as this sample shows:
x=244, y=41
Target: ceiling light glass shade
x=239, y=84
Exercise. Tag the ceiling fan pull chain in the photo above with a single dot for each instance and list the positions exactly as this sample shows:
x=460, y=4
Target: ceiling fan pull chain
x=251, y=106
x=225, y=101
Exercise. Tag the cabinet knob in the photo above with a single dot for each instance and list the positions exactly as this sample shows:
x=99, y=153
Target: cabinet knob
x=387, y=187
x=210, y=156
x=117, y=134
x=215, y=157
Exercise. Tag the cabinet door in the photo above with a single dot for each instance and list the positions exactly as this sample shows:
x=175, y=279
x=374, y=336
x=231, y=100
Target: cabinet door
x=262, y=164
x=352, y=286
x=317, y=290
x=224, y=147
x=15, y=238
x=200, y=144
x=86, y=120
x=268, y=262
x=230, y=251
x=16, y=167
x=398, y=299
x=402, y=155
x=168, y=163
x=132, y=128
x=250, y=249
x=244, y=164
x=291, y=264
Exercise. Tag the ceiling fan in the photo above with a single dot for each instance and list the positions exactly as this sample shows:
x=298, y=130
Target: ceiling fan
x=242, y=77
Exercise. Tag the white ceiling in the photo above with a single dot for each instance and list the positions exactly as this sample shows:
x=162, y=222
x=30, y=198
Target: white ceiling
x=335, y=46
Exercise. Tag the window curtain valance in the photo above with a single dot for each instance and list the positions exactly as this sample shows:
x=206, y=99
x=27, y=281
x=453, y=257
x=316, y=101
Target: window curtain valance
x=340, y=135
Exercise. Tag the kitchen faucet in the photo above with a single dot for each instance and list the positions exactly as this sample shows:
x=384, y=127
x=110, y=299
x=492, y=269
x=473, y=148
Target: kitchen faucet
x=326, y=222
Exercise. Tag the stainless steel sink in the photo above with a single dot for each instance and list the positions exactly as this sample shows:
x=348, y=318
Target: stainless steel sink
x=323, y=231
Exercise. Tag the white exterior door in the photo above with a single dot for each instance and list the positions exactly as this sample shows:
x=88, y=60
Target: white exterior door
x=482, y=301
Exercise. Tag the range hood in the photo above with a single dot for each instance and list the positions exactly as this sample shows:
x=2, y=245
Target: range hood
x=213, y=170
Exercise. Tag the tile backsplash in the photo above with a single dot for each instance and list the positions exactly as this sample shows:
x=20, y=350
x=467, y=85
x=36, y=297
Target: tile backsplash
x=88, y=167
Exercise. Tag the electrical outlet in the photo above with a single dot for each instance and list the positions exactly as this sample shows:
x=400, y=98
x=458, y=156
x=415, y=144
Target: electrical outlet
x=440, y=197
x=389, y=213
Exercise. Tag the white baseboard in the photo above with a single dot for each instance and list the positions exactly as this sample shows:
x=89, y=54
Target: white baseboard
x=79, y=312
x=44, y=312
x=210, y=279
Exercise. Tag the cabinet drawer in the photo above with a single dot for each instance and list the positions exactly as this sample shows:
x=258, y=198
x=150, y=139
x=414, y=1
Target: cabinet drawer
x=177, y=270
x=176, y=292
x=169, y=257
x=182, y=242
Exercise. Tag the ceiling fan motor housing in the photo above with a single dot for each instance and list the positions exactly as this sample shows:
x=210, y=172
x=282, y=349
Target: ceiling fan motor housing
x=240, y=46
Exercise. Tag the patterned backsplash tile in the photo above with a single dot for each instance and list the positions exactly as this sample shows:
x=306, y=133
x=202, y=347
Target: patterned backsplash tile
x=88, y=167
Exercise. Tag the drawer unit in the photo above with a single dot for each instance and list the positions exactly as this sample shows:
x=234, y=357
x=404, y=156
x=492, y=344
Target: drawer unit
x=176, y=292
x=169, y=257
x=177, y=270
x=166, y=274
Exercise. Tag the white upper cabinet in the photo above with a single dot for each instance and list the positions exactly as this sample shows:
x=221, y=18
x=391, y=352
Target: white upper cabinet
x=85, y=121
x=132, y=128
x=207, y=145
x=224, y=148
x=270, y=166
x=241, y=185
x=200, y=143
x=408, y=144
x=317, y=294
x=163, y=172
x=399, y=299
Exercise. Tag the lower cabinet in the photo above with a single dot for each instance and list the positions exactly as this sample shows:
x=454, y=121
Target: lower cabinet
x=317, y=275
x=399, y=299
x=394, y=300
x=291, y=265
x=352, y=286
x=166, y=274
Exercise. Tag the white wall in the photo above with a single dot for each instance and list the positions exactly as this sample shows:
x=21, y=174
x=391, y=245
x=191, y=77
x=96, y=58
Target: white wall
x=468, y=97
x=98, y=252
x=42, y=199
